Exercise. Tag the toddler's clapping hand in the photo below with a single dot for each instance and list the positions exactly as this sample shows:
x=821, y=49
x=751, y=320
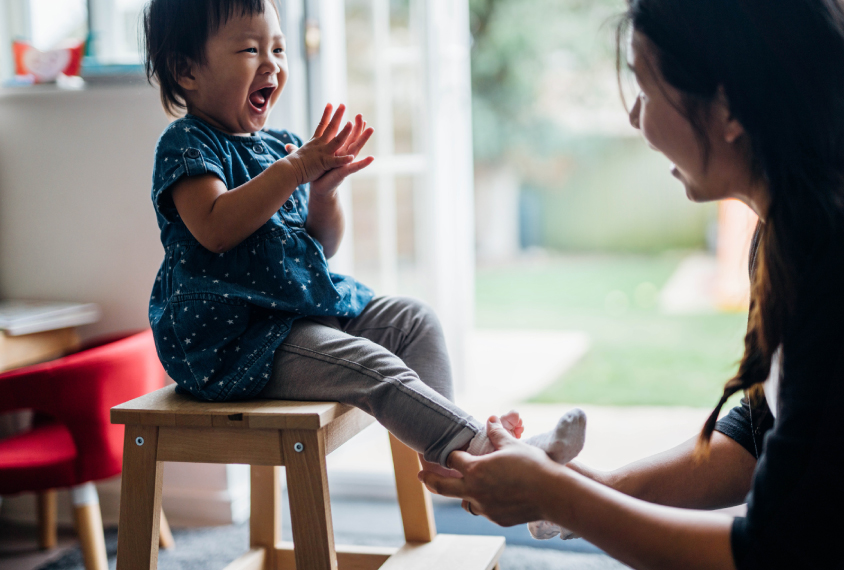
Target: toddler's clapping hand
x=328, y=158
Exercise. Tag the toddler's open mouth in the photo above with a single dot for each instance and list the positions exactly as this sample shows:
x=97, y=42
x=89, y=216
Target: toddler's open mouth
x=259, y=99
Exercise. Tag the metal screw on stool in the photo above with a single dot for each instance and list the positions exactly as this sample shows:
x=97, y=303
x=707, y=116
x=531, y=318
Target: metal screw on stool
x=139, y=441
x=298, y=447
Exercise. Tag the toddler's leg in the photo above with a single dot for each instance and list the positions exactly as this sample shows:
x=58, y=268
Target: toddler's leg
x=411, y=330
x=318, y=362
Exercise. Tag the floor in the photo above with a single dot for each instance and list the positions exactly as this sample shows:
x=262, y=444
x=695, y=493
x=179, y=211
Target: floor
x=19, y=547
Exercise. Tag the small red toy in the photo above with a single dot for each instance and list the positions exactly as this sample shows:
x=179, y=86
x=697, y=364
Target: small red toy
x=38, y=66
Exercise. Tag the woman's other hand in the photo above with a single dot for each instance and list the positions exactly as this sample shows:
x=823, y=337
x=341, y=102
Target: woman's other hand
x=506, y=486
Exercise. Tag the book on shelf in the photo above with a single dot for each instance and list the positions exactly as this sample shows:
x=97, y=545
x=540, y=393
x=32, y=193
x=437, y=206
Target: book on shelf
x=18, y=317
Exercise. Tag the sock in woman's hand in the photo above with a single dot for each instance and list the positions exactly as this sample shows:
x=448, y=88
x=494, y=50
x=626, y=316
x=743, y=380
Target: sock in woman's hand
x=562, y=444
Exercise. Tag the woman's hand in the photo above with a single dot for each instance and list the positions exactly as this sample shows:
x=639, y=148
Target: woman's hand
x=506, y=486
x=328, y=158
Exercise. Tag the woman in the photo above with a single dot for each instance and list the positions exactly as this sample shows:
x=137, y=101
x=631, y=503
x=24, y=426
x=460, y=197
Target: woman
x=746, y=97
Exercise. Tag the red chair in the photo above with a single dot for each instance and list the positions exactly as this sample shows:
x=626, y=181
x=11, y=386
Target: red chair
x=72, y=442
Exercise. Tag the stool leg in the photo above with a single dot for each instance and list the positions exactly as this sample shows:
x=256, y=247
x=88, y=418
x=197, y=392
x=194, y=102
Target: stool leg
x=47, y=519
x=140, y=500
x=310, y=507
x=265, y=514
x=165, y=536
x=417, y=511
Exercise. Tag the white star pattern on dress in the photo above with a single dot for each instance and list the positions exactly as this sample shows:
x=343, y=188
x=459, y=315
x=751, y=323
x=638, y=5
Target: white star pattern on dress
x=304, y=288
x=187, y=341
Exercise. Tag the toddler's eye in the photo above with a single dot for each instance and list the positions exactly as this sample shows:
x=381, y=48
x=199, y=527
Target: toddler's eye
x=251, y=50
x=278, y=50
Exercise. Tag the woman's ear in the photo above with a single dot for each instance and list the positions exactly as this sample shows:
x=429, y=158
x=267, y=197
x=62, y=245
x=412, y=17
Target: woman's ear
x=727, y=123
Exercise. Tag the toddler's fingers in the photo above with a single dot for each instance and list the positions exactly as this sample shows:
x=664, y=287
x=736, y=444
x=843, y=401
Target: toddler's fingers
x=358, y=144
x=323, y=122
x=343, y=160
x=353, y=136
x=334, y=125
x=337, y=175
x=291, y=148
x=357, y=166
x=340, y=139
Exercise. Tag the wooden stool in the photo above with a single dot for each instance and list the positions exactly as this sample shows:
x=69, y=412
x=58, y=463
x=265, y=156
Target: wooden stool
x=266, y=434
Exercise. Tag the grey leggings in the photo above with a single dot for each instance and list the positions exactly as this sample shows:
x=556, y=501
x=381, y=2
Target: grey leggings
x=390, y=362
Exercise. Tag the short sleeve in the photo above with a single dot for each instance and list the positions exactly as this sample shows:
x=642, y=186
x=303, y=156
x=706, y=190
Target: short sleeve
x=184, y=149
x=748, y=431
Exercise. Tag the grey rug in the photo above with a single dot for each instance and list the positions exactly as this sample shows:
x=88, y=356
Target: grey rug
x=212, y=548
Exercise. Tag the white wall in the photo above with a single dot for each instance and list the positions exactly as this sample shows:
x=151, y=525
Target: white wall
x=76, y=220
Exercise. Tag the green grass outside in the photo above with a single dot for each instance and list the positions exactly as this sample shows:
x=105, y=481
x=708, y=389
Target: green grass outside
x=638, y=356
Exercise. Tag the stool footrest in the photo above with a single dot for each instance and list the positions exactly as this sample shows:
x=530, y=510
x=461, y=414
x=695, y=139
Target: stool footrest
x=445, y=552
x=348, y=557
x=449, y=552
x=252, y=560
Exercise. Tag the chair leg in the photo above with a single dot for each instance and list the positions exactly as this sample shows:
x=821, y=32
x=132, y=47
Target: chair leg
x=140, y=500
x=89, y=526
x=47, y=519
x=165, y=537
x=265, y=513
x=310, y=506
x=417, y=511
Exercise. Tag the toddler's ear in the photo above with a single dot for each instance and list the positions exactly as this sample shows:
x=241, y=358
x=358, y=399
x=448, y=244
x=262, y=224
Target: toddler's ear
x=182, y=70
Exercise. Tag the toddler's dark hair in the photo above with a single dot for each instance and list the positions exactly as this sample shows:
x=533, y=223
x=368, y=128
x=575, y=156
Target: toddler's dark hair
x=175, y=33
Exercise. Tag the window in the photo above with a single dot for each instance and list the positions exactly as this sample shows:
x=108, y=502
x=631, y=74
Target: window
x=112, y=28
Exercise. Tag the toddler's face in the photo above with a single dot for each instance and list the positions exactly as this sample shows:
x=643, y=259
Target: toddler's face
x=244, y=73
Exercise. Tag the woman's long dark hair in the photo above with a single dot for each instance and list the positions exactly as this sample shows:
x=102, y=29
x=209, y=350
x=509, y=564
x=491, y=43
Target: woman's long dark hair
x=781, y=67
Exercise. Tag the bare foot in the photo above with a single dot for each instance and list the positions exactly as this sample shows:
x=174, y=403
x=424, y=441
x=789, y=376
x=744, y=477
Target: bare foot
x=513, y=424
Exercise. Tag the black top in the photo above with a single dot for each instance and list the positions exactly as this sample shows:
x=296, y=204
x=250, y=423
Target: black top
x=795, y=508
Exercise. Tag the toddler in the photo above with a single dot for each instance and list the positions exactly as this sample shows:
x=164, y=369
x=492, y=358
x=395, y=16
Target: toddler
x=244, y=305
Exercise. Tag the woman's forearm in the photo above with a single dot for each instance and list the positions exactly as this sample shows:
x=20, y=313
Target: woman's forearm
x=638, y=533
x=676, y=478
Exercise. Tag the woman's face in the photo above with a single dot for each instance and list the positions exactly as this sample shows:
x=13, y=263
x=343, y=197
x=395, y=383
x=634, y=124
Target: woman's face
x=657, y=113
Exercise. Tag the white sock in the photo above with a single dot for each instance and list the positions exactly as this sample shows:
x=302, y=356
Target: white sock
x=562, y=444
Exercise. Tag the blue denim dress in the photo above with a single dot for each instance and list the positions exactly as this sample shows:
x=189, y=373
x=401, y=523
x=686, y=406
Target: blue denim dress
x=218, y=318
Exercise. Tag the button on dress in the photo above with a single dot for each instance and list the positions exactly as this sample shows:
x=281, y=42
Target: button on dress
x=218, y=318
